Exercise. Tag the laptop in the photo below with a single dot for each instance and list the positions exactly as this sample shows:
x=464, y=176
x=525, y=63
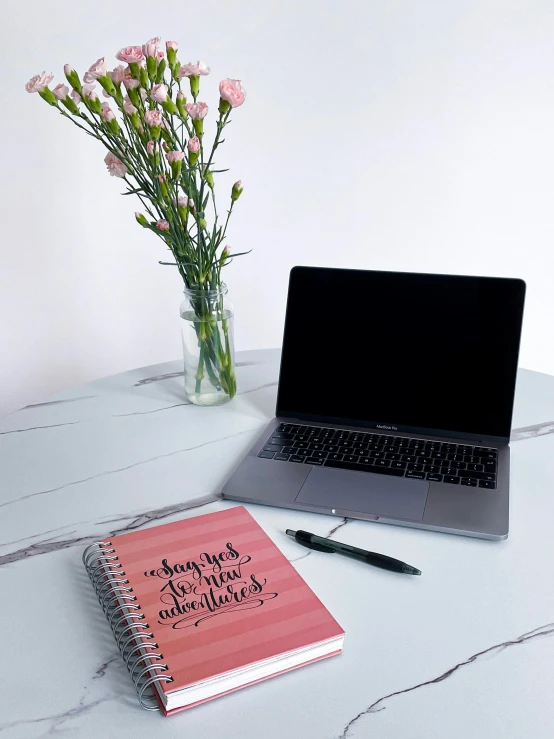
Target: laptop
x=395, y=401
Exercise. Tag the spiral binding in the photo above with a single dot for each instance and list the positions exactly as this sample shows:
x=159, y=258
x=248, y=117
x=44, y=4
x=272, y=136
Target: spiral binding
x=130, y=629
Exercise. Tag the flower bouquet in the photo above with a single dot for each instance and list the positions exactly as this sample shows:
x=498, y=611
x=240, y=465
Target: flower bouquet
x=155, y=142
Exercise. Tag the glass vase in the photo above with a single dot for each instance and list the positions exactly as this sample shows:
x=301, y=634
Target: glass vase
x=208, y=346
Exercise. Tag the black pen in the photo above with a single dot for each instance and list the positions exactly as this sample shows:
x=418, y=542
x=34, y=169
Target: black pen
x=371, y=558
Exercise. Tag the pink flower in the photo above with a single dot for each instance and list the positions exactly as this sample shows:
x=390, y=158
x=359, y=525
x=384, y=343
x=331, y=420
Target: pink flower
x=67, y=69
x=172, y=45
x=150, y=147
x=159, y=93
x=160, y=55
x=115, y=166
x=191, y=205
x=153, y=118
x=118, y=74
x=163, y=225
x=61, y=92
x=181, y=96
x=193, y=70
x=174, y=156
x=194, y=144
x=150, y=48
x=130, y=54
x=128, y=106
x=75, y=97
x=182, y=201
x=197, y=110
x=89, y=92
x=143, y=94
x=233, y=92
x=39, y=82
x=161, y=177
x=107, y=113
x=96, y=70
x=130, y=83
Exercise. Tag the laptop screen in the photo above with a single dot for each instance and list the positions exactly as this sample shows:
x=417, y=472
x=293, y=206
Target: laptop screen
x=399, y=351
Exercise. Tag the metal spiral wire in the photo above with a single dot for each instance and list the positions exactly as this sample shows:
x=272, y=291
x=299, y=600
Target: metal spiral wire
x=131, y=631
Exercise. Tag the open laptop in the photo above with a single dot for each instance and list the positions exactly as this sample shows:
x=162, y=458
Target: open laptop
x=395, y=401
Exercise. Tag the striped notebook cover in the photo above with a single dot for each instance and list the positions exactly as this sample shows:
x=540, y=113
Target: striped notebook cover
x=224, y=607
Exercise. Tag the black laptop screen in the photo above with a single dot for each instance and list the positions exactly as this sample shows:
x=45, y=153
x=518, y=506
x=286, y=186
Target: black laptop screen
x=411, y=351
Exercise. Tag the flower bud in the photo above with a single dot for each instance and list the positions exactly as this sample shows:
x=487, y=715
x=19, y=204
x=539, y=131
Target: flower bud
x=72, y=77
x=141, y=219
x=172, y=47
x=209, y=178
x=225, y=255
x=143, y=76
x=194, y=80
x=108, y=85
x=161, y=69
x=151, y=67
x=181, y=102
x=237, y=190
x=70, y=105
x=48, y=95
x=114, y=126
x=163, y=186
x=134, y=97
x=170, y=107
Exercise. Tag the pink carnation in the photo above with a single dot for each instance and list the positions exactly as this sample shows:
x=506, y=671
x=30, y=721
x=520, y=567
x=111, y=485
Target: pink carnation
x=67, y=69
x=115, y=166
x=233, y=92
x=150, y=147
x=61, y=91
x=150, y=48
x=174, y=156
x=193, y=70
x=182, y=201
x=89, y=92
x=130, y=83
x=194, y=144
x=159, y=93
x=160, y=55
x=130, y=54
x=163, y=225
x=118, y=74
x=197, y=110
x=172, y=45
x=96, y=70
x=39, y=82
x=75, y=97
x=107, y=113
x=128, y=106
x=153, y=118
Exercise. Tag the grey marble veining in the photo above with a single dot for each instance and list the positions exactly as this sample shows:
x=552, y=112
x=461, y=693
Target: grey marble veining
x=55, y=543
x=128, y=452
x=541, y=631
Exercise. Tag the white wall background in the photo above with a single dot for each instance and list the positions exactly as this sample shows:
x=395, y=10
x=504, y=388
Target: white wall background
x=380, y=134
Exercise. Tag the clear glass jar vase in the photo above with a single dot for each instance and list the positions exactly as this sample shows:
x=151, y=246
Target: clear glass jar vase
x=208, y=346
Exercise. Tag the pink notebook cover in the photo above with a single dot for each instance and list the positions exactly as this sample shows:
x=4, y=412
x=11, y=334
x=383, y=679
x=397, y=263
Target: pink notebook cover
x=219, y=595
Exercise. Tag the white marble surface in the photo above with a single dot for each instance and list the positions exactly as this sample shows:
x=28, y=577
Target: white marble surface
x=467, y=650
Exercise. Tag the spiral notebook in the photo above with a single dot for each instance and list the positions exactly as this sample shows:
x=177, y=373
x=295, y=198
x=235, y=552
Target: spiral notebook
x=205, y=606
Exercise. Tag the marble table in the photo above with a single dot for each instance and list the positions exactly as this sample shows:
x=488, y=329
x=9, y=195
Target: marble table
x=466, y=650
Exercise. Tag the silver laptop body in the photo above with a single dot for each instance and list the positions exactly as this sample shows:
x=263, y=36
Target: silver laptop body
x=395, y=403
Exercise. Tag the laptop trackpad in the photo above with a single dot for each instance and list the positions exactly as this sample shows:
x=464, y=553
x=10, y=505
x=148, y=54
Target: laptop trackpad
x=365, y=492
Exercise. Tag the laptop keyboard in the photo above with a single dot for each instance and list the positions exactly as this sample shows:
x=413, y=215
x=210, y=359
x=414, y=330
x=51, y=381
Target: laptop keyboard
x=455, y=464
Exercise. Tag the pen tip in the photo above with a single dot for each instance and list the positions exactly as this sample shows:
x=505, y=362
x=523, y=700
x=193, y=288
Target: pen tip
x=289, y=532
x=409, y=570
